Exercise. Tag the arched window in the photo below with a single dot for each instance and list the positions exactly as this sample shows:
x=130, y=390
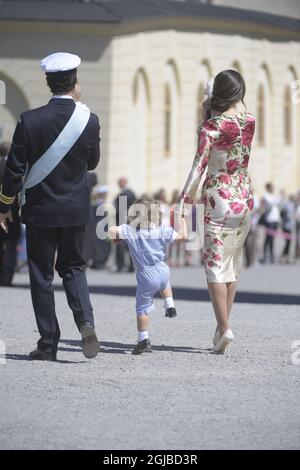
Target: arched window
x=14, y=103
x=139, y=126
x=260, y=124
x=168, y=122
x=264, y=107
x=287, y=115
x=236, y=66
x=200, y=97
x=204, y=74
x=171, y=109
x=289, y=110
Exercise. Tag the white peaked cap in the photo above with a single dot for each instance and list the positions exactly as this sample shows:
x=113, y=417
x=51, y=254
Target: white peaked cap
x=60, y=62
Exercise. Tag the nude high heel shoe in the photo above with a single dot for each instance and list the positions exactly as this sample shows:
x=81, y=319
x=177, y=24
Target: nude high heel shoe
x=224, y=342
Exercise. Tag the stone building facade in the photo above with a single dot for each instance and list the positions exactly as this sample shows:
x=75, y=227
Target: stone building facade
x=144, y=71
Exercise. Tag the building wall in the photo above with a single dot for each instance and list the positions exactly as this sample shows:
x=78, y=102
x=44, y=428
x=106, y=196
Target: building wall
x=289, y=8
x=20, y=55
x=151, y=51
x=113, y=71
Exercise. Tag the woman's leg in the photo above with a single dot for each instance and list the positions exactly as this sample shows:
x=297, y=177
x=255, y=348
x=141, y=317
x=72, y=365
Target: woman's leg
x=218, y=296
x=231, y=291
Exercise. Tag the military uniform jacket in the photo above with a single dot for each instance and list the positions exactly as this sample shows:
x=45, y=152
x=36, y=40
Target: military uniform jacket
x=62, y=198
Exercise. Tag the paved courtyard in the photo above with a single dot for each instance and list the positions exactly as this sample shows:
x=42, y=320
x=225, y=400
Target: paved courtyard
x=179, y=397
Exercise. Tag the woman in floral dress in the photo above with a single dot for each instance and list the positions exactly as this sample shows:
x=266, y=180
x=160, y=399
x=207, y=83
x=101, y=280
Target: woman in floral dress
x=224, y=149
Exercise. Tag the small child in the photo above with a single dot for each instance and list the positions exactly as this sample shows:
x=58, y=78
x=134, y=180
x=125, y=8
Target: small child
x=147, y=244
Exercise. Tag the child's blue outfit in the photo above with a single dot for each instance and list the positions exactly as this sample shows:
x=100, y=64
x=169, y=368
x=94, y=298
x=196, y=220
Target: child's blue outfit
x=148, y=250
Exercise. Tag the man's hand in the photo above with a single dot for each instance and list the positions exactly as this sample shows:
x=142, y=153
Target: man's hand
x=3, y=221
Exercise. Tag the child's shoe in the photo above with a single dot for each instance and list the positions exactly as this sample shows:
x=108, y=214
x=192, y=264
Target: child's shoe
x=142, y=346
x=171, y=312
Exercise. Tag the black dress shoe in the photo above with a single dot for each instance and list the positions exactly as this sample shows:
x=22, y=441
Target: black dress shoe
x=171, y=312
x=142, y=346
x=38, y=355
x=90, y=344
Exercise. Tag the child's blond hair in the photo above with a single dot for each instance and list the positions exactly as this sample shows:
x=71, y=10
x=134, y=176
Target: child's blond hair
x=145, y=212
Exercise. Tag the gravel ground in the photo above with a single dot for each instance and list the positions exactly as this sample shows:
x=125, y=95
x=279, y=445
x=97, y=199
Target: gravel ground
x=179, y=397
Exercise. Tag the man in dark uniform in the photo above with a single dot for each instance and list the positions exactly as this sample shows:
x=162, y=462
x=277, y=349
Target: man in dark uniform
x=56, y=210
x=8, y=241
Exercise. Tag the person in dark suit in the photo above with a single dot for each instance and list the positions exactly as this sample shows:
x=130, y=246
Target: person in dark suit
x=8, y=241
x=56, y=210
x=121, y=218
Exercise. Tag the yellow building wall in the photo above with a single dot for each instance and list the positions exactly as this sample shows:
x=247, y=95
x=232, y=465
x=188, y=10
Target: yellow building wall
x=107, y=76
x=151, y=51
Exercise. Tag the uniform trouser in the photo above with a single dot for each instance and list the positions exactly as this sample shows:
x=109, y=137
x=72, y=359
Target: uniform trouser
x=42, y=243
x=8, y=261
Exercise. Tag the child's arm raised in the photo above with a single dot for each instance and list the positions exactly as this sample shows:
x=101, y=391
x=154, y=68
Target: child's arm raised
x=114, y=232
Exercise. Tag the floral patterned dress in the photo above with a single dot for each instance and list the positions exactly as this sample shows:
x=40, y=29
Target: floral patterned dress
x=224, y=148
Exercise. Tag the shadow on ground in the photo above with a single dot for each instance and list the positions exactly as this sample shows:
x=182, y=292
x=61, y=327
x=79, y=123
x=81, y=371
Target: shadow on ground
x=25, y=357
x=193, y=294
x=109, y=347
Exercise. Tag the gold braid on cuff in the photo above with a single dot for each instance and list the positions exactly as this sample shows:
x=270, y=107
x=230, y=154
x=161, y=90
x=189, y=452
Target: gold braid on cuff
x=6, y=199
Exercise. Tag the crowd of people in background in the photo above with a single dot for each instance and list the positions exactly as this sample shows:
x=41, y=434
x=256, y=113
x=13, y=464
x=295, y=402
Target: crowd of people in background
x=274, y=235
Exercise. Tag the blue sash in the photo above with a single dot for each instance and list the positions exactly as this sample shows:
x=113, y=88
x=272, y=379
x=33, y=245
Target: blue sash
x=58, y=150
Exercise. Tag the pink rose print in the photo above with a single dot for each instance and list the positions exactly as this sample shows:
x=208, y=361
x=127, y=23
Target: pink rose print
x=230, y=128
x=187, y=199
x=203, y=138
x=204, y=199
x=217, y=242
x=248, y=132
x=205, y=256
x=244, y=192
x=212, y=202
x=245, y=161
x=225, y=179
x=232, y=165
x=241, y=178
x=250, y=203
x=224, y=193
x=207, y=219
x=217, y=257
x=203, y=164
x=236, y=207
x=210, y=264
x=207, y=181
x=230, y=131
x=210, y=126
